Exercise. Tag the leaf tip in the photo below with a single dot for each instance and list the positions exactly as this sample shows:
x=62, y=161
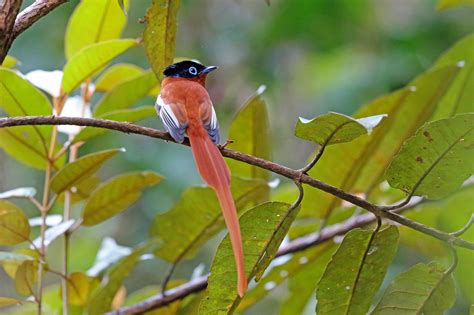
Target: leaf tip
x=261, y=89
x=461, y=63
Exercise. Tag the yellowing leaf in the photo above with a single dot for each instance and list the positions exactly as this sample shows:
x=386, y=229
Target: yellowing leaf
x=9, y=62
x=115, y=75
x=11, y=261
x=14, y=227
x=448, y=4
x=7, y=301
x=116, y=195
x=80, y=169
x=25, y=277
x=86, y=63
x=126, y=93
x=160, y=34
x=437, y=159
x=92, y=22
x=82, y=189
x=250, y=132
x=80, y=287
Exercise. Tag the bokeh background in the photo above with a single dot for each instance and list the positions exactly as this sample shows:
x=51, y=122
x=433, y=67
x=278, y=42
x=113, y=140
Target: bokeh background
x=313, y=56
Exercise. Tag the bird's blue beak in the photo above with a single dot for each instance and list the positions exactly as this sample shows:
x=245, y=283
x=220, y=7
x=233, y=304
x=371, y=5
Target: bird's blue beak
x=208, y=69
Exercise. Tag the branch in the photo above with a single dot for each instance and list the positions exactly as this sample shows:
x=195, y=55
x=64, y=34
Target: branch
x=33, y=13
x=249, y=159
x=293, y=246
x=8, y=11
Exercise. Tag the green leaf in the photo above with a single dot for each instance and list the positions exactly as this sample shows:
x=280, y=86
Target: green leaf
x=356, y=271
x=53, y=233
x=22, y=192
x=310, y=261
x=7, y=301
x=437, y=159
x=274, y=241
x=448, y=4
x=126, y=94
x=250, y=132
x=14, y=227
x=92, y=22
x=80, y=287
x=459, y=98
x=334, y=128
x=9, y=62
x=449, y=214
x=423, y=289
x=115, y=75
x=91, y=59
x=80, y=169
x=257, y=227
x=200, y=203
x=25, y=145
x=28, y=144
x=359, y=166
x=102, y=297
x=25, y=277
x=116, y=195
x=159, y=35
x=302, y=285
x=128, y=115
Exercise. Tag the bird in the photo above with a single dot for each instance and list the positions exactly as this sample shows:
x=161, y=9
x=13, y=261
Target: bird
x=184, y=106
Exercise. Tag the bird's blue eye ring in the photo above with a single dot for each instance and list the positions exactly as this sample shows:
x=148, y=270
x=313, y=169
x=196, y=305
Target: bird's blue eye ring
x=193, y=70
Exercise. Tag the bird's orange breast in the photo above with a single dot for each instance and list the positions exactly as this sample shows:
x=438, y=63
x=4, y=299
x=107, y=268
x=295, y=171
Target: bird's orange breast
x=188, y=99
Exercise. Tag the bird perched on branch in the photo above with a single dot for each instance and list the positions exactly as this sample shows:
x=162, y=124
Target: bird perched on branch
x=185, y=106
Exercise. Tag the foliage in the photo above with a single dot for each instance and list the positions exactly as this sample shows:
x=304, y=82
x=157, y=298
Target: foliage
x=416, y=140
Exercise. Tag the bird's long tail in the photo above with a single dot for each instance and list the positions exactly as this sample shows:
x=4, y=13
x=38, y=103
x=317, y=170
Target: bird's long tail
x=216, y=174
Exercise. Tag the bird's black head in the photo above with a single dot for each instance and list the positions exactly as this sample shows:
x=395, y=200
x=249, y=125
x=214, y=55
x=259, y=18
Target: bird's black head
x=187, y=69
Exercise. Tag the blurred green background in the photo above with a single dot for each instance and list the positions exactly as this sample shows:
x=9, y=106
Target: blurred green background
x=313, y=56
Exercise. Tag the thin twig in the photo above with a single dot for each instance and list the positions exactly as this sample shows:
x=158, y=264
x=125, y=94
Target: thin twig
x=44, y=212
x=464, y=228
x=66, y=217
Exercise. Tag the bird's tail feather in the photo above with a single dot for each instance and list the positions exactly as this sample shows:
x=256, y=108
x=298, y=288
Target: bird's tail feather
x=216, y=174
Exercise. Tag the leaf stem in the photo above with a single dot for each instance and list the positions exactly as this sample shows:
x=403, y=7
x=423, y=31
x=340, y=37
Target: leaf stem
x=66, y=216
x=44, y=212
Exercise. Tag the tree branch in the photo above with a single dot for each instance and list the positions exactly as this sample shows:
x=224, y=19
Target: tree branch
x=33, y=13
x=8, y=11
x=249, y=159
